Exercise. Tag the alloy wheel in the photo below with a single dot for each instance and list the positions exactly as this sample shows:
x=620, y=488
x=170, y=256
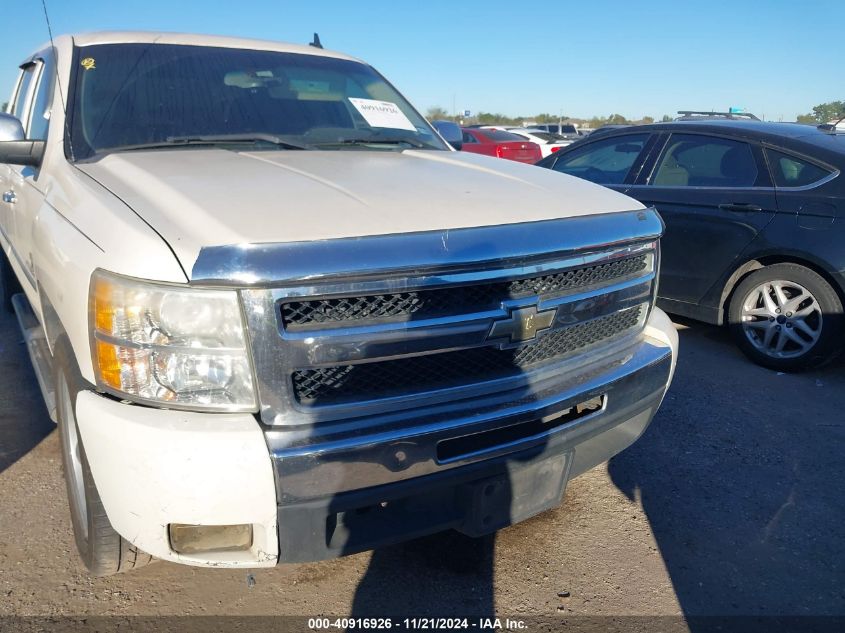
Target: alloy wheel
x=782, y=319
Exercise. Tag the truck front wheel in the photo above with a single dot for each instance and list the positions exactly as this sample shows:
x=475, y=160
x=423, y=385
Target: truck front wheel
x=103, y=551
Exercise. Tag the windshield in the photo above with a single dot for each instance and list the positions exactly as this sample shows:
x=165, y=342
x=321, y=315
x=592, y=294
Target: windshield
x=138, y=96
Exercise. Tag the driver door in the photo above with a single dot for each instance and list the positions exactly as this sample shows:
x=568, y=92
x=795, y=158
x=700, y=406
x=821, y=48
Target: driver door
x=24, y=192
x=9, y=174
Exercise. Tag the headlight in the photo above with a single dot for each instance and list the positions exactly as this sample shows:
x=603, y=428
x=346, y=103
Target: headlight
x=169, y=345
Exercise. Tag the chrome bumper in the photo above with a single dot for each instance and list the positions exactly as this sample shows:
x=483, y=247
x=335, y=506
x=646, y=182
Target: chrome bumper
x=400, y=488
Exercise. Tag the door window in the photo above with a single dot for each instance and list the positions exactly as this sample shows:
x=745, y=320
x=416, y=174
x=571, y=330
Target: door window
x=40, y=114
x=21, y=98
x=791, y=171
x=606, y=162
x=690, y=160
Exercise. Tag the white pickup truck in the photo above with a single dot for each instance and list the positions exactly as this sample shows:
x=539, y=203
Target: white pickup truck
x=277, y=318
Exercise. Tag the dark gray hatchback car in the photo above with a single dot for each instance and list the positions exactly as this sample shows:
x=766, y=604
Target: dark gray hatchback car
x=755, y=225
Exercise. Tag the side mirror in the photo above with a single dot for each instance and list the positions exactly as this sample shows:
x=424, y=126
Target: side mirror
x=14, y=148
x=11, y=128
x=451, y=133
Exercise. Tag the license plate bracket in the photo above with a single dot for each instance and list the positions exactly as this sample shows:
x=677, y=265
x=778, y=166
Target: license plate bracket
x=523, y=491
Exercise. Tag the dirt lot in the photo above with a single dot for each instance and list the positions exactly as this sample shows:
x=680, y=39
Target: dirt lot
x=732, y=503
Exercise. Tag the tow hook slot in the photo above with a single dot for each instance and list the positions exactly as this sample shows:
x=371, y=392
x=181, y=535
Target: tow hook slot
x=465, y=445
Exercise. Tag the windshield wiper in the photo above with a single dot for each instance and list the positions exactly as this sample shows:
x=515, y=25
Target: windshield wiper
x=376, y=141
x=216, y=139
x=258, y=137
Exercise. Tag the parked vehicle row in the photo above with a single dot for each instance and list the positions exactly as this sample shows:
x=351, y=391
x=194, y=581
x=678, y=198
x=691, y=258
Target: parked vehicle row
x=547, y=141
x=564, y=130
x=755, y=224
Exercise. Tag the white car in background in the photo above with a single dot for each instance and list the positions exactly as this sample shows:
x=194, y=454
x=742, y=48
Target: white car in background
x=549, y=143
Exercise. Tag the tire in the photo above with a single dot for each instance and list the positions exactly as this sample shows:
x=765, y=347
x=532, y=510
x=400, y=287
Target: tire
x=787, y=317
x=9, y=285
x=103, y=551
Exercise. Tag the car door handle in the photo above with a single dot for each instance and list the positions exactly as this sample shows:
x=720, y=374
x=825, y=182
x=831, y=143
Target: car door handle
x=740, y=206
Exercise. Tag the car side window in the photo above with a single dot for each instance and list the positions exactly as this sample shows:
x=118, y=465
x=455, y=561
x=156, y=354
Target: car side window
x=692, y=160
x=469, y=138
x=39, y=117
x=606, y=162
x=22, y=95
x=791, y=171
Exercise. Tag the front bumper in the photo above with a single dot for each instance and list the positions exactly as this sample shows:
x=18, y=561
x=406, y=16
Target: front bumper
x=153, y=468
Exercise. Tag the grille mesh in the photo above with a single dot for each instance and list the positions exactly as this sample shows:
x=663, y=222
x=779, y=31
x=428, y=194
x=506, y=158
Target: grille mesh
x=455, y=300
x=329, y=385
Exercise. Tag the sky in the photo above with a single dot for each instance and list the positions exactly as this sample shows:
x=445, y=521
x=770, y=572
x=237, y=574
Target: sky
x=775, y=58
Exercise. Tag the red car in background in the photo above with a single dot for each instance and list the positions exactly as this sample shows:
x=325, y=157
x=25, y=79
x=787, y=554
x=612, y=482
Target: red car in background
x=500, y=144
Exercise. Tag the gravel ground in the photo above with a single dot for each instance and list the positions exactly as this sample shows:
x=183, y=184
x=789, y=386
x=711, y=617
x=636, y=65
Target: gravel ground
x=730, y=504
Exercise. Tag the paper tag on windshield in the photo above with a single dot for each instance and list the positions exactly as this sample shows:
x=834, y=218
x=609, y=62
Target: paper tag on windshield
x=382, y=114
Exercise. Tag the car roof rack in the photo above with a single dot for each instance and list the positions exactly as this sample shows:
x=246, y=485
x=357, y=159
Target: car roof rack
x=688, y=115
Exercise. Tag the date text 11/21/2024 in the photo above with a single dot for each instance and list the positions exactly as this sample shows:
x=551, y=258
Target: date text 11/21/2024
x=421, y=623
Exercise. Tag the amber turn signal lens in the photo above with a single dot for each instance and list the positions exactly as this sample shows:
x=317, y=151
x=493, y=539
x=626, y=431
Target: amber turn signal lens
x=103, y=306
x=108, y=364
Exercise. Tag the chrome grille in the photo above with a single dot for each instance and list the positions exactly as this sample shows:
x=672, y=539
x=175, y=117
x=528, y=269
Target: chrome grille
x=329, y=385
x=454, y=300
x=394, y=329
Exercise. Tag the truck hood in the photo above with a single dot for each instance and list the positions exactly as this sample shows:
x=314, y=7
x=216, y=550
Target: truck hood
x=196, y=198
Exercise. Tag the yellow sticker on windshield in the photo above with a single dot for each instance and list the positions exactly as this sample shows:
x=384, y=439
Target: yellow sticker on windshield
x=88, y=63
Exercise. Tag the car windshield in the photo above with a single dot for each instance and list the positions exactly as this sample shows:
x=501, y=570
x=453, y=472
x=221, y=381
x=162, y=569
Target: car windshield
x=142, y=96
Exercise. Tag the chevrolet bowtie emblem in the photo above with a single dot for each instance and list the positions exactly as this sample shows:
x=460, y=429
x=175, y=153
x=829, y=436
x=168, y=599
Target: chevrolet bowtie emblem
x=522, y=324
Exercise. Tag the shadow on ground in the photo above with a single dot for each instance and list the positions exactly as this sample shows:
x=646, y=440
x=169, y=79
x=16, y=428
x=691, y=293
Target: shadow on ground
x=446, y=574
x=742, y=485
x=18, y=384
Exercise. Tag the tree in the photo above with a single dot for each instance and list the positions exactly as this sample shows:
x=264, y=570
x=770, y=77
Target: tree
x=497, y=118
x=647, y=119
x=545, y=117
x=436, y=113
x=666, y=118
x=824, y=112
x=4, y=106
x=613, y=119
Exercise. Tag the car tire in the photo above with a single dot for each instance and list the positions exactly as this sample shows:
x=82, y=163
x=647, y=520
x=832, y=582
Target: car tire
x=787, y=317
x=103, y=551
x=9, y=285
